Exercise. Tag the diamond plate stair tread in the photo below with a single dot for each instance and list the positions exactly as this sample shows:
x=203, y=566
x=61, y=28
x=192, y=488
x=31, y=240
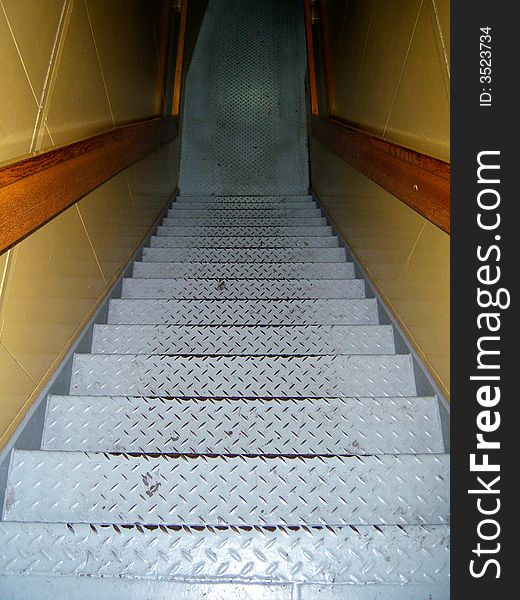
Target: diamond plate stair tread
x=183, y=212
x=246, y=340
x=326, y=426
x=246, y=255
x=164, y=490
x=212, y=270
x=278, y=377
x=243, y=288
x=181, y=198
x=364, y=555
x=240, y=204
x=244, y=312
x=223, y=221
x=317, y=241
x=172, y=228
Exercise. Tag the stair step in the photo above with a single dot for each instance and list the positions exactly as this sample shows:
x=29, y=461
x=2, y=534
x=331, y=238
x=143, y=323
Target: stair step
x=282, y=199
x=172, y=228
x=165, y=490
x=223, y=221
x=244, y=288
x=297, y=340
x=246, y=255
x=318, y=555
x=238, y=376
x=243, y=204
x=183, y=212
x=185, y=241
x=244, y=312
x=212, y=270
x=307, y=426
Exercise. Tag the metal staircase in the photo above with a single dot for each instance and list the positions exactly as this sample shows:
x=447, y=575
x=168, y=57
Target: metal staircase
x=243, y=416
x=243, y=426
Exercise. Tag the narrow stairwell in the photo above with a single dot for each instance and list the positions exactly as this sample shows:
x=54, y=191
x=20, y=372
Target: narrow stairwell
x=243, y=418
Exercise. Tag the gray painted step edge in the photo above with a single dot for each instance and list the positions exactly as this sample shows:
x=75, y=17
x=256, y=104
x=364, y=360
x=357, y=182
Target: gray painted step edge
x=325, y=426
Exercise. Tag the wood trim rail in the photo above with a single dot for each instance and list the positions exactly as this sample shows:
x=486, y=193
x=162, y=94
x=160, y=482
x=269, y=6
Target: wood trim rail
x=420, y=181
x=37, y=188
x=179, y=59
x=311, y=66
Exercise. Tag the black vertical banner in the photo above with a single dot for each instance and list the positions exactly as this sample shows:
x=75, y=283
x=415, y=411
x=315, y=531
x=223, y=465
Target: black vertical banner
x=485, y=240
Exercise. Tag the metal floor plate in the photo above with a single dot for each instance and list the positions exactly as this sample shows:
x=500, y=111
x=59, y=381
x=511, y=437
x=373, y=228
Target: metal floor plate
x=181, y=212
x=238, y=203
x=360, y=555
x=246, y=289
x=244, y=128
x=229, y=230
x=237, y=376
x=238, y=242
x=297, y=340
x=244, y=312
x=250, y=200
x=246, y=255
x=164, y=490
x=212, y=270
x=324, y=426
x=223, y=221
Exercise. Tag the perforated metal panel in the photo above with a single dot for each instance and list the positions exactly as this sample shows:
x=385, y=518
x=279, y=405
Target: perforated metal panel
x=244, y=127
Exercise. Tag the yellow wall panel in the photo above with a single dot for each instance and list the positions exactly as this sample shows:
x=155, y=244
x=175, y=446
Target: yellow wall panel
x=420, y=115
x=386, y=45
x=18, y=106
x=423, y=298
x=15, y=389
x=78, y=104
x=406, y=256
x=124, y=36
x=350, y=52
x=34, y=24
x=391, y=70
x=52, y=285
x=112, y=224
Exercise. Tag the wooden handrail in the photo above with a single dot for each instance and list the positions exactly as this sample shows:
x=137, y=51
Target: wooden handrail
x=418, y=180
x=36, y=189
x=179, y=60
x=311, y=66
